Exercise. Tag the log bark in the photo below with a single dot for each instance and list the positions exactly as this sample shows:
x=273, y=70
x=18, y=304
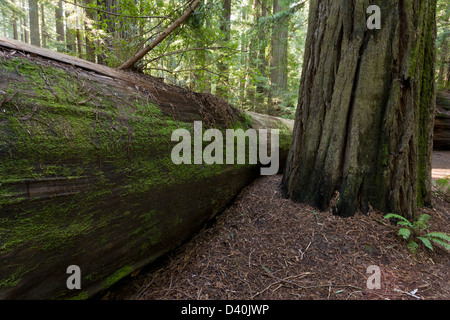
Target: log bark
x=86, y=173
x=441, y=135
x=363, y=131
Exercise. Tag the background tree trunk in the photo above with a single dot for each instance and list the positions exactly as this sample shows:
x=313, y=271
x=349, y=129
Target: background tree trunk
x=70, y=32
x=366, y=108
x=442, y=68
x=14, y=24
x=278, y=65
x=243, y=57
x=33, y=10
x=225, y=28
x=447, y=80
x=262, y=61
x=90, y=47
x=44, y=33
x=252, y=55
x=60, y=34
x=25, y=37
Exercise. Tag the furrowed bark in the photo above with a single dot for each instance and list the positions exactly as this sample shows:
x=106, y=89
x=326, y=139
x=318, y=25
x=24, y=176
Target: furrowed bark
x=364, y=121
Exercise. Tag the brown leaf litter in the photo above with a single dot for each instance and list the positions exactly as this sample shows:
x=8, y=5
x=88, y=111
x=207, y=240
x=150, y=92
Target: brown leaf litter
x=266, y=247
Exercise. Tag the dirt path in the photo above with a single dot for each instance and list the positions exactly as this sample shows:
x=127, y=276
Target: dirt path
x=441, y=164
x=267, y=247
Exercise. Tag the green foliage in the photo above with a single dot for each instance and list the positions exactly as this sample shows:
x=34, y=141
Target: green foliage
x=443, y=44
x=200, y=54
x=443, y=183
x=442, y=187
x=412, y=232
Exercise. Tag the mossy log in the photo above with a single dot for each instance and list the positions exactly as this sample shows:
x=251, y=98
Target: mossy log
x=441, y=138
x=86, y=176
x=441, y=135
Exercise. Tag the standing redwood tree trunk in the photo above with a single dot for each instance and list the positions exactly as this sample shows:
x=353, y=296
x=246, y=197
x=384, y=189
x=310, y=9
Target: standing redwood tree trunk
x=363, y=130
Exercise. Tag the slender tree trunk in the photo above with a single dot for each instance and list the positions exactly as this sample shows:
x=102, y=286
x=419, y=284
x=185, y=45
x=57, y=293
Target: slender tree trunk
x=59, y=23
x=25, y=30
x=79, y=43
x=447, y=77
x=90, y=47
x=15, y=30
x=278, y=66
x=70, y=32
x=364, y=122
x=44, y=33
x=14, y=24
x=262, y=61
x=243, y=56
x=252, y=57
x=35, y=38
x=141, y=22
x=222, y=66
x=444, y=60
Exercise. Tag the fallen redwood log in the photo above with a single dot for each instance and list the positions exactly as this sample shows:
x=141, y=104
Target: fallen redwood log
x=441, y=138
x=86, y=176
x=441, y=134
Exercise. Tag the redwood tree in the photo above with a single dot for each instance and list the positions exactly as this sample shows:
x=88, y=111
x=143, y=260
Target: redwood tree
x=363, y=131
x=33, y=10
x=279, y=60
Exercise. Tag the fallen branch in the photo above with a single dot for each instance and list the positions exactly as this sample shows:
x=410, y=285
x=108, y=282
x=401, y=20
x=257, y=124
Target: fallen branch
x=279, y=281
x=138, y=56
x=6, y=99
x=412, y=293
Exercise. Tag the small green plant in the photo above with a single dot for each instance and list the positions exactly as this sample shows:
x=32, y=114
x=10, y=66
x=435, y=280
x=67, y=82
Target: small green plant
x=413, y=232
x=442, y=187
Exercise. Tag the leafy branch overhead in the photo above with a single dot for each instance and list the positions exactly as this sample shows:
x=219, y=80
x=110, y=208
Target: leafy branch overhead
x=139, y=55
x=256, y=62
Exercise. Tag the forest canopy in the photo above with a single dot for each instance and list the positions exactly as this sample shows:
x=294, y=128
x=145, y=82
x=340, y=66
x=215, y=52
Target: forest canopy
x=247, y=51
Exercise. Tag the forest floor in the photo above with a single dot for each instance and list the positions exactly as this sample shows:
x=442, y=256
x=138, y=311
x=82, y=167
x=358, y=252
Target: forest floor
x=264, y=246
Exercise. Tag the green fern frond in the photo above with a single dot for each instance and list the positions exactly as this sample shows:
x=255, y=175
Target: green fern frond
x=426, y=242
x=396, y=216
x=413, y=246
x=405, y=233
x=439, y=238
x=421, y=223
x=424, y=218
x=444, y=244
x=439, y=235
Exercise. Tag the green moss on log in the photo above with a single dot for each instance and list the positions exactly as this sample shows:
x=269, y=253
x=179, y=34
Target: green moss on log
x=83, y=163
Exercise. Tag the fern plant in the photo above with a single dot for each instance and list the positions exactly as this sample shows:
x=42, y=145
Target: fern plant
x=413, y=232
